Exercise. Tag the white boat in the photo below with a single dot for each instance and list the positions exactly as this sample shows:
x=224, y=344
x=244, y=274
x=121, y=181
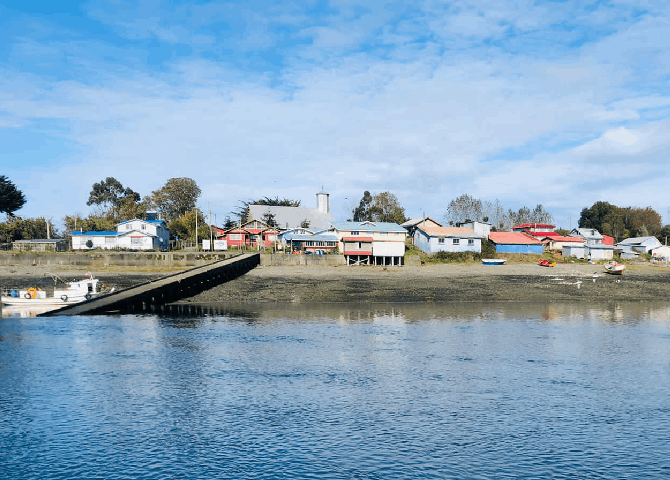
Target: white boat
x=75, y=292
x=615, y=268
x=494, y=261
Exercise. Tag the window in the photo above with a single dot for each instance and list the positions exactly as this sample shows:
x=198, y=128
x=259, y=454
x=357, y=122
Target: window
x=471, y=241
x=440, y=240
x=110, y=240
x=144, y=226
x=456, y=241
x=136, y=241
x=383, y=233
x=127, y=226
x=355, y=233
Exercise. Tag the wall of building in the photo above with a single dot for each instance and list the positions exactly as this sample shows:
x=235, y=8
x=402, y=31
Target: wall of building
x=533, y=249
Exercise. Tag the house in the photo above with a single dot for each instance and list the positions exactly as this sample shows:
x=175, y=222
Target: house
x=447, y=239
x=607, y=240
x=136, y=234
x=296, y=217
x=557, y=242
x=535, y=228
x=591, y=236
x=40, y=245
x=481, y=228
x=639, y=244
x=307, y=241
x=371, y=243
x=600, y=252
x=575, y=250
x=661, y=253
x=253, y=233
x=545, y=233
x=412, y=224
x=515, y=242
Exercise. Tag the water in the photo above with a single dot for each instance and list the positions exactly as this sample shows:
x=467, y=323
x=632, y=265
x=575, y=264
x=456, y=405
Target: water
x=367, y=392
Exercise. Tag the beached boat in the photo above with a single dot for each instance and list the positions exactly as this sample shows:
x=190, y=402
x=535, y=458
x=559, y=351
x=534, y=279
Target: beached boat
x=494, y=261
x=615, y=268
x=546, y=263
x=75, y=292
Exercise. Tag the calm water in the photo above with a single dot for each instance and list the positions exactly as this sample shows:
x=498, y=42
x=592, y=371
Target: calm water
x=477, y=391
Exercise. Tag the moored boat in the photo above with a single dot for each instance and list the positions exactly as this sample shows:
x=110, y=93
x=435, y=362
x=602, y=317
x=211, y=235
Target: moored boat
x=494, y=261
x=615, y=268
x=75, y=292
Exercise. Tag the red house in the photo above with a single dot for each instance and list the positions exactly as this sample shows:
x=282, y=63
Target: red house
x=250, y=234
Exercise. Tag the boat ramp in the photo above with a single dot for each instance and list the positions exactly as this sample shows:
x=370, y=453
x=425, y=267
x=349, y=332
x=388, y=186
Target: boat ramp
x=155, y=295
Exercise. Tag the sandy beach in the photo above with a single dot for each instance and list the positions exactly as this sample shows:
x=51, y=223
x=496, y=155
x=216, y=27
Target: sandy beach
x=427, y=283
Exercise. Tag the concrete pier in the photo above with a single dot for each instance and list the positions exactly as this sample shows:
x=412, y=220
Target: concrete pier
x=153, y=296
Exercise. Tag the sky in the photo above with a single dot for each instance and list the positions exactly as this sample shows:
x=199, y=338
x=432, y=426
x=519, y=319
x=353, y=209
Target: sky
x=559, y=103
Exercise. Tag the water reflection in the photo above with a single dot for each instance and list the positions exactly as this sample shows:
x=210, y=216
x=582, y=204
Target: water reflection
x=397, y=314
x=339, y=391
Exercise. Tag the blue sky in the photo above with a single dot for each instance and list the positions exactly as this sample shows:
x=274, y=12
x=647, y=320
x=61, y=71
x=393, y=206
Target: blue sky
x=558, y=103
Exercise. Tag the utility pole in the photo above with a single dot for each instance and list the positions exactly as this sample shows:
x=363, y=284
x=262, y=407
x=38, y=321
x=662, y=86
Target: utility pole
x=196, y=229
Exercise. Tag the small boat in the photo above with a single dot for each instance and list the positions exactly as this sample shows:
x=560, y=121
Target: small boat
x=494, y=261
x=615, y=268
x=75, y=292
x=546, y=263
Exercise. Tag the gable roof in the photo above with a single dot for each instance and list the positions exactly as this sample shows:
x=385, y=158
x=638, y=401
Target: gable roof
x=417, y=221
x=450, y=232
x=96, y=234
x=512, y=238
x=638, y=240
x=368, y=227
x=586, y=233
x=533, y=225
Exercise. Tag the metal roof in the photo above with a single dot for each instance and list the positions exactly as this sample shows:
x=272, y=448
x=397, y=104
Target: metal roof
x=368, y=227
x=292, y=217
x=306, y=238
x=637, y=240
x=512, y=238
x=96, y=234
x=450, y=232
x=587, y=233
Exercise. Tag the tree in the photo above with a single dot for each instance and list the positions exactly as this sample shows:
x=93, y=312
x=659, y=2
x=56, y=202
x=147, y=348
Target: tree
x=184, y=226
x=11, y=198
x=176, y=197
x=17, y=228
x=464, y=208
x=229, y=223
x=621, y=222
x=386, y=208
x=363, y=211
x=382, y=207
x=110, y=195
x=269, y=219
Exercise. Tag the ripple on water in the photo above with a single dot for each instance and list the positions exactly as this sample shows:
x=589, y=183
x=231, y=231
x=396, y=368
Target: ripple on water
x=488, y=396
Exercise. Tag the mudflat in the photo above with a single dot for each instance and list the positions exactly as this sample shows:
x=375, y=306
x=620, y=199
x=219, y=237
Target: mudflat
x=365, y=284
x=441, y=283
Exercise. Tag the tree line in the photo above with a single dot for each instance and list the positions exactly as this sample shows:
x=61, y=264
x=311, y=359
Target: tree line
x=176, y=201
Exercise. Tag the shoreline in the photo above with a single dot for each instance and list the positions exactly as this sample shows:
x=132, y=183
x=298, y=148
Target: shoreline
x=440, y=283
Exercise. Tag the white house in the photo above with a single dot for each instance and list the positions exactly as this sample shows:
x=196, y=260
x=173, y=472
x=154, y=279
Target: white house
x=591, y=236
x=367, y=243
x=447, y=239
x=639, y=244
x=136, y=234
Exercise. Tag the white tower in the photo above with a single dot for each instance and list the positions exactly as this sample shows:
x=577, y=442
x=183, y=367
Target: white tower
x=323, y=202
